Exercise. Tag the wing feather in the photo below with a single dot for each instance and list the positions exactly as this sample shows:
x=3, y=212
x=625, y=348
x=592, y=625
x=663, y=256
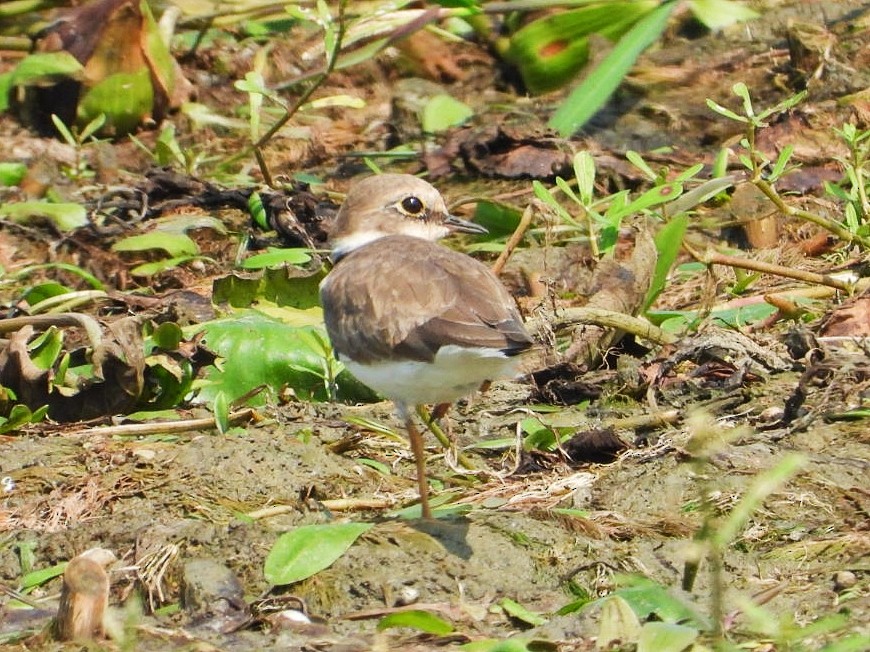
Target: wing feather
x=427, y=296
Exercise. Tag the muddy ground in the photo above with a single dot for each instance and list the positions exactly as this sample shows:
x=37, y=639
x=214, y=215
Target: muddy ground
x=163, y=502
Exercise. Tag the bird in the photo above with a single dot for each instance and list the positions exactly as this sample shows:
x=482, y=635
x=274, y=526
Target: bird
x=415, y=321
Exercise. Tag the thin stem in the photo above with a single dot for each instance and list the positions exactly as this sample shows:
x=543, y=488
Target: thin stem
x=256, y=148
x=715, y=258
x=840, y=231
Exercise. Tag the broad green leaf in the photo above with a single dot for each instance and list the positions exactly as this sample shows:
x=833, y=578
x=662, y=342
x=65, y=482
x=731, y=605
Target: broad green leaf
x=719, y=14
x=125, y=99
x=442, y=112
x=160, y=266
x=665, y=637
x=43, y=291
x=496, y=645
x=416, y=619
x=275, y=257
x=668, y=242
x=174, y=244
x=11, y=173
x=167, y=336
x=65, y=216
x=282, y=286
x=549, y=51
x=647, y=597
x=185, y=222
x=45, y=349
x=20, y=415
x=259, y=350
x=498, y=219
x=44, y=66
x=309, y=549
x=596, y=89
x=516, y=610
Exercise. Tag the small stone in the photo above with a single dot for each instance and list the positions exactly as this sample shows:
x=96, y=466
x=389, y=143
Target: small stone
x=844, y=580
x=407, y=595
x=145, y=454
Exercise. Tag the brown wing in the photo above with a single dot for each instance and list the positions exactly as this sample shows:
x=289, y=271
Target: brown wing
x=407, y=297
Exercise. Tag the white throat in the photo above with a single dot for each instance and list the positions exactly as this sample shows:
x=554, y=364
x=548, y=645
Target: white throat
x=356, y=239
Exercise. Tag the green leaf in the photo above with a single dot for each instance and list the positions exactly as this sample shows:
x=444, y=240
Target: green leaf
x=160, y=266
x=442, y=112
x=496, y=645
x=258, y=211
x=516, y=610
x=584, y=172
x=668, y=242
x=416, y=619
x=637, y=161
x=726, y=112
x=309, y=549
x=649, y=199
x=65, y=216
x=275, y=257
x=174, y=244
x=167, y=336
x=665, y=637
x=594, y=91
x=617, y=622
x=259, y=350
x=762, y=486
x=40, y=67
x=719, y=14
x=41, y=576
x=125, y=99
x=45, y=349
x=550, y=51
x=498, y=219
x=221, y=409
x=43, y=291
x=647, y=597
x=11, y=174
x=20, y=415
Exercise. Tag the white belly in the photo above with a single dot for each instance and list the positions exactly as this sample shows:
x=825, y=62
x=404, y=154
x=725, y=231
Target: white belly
x=455, y=372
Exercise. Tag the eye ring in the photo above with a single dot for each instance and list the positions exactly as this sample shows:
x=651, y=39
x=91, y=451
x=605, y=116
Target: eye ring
x=412, y=205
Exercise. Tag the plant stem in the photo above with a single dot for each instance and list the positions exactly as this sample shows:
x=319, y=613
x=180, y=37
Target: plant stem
x=300, y=101
x=840, y=231
x=715, y=258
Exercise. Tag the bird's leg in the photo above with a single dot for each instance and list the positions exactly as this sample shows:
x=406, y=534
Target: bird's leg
x=446, y=440
x=420, y=458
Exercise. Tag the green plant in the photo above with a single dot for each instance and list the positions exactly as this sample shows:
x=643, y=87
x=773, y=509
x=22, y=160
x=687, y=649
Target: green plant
x=764, y=173
x=76, y=139
x=854, y=192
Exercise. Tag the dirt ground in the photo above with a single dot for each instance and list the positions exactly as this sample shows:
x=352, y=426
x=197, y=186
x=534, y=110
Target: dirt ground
x=196, y=513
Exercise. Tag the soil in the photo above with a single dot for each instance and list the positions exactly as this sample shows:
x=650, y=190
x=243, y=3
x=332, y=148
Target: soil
x=540, y=529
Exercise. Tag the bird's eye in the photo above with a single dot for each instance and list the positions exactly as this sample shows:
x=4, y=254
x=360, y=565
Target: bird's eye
x=412, y=205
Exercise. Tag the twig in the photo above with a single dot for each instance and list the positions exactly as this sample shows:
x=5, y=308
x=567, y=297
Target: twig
x=715, y=258
x=164, y=427
x=513, y=241
x=608, y=319
x=840, y=231
x=88, y=323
